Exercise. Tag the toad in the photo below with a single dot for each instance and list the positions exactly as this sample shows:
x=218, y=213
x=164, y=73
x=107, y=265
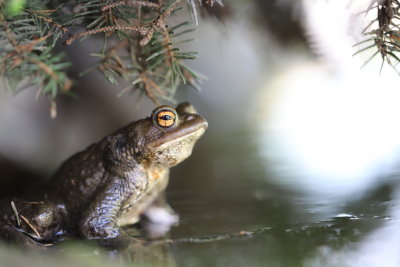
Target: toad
x=108, y=185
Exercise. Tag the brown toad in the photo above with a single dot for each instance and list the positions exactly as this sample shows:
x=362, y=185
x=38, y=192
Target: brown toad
x=110, y=183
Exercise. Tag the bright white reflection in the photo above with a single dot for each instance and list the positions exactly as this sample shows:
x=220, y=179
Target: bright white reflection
x=336, y=130
x=332, y=126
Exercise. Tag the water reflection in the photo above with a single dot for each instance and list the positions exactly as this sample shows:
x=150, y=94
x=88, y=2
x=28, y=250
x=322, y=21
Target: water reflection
x=327, y=134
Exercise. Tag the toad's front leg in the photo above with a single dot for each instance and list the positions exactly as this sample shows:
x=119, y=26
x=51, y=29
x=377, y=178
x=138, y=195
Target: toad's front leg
x=99, y=221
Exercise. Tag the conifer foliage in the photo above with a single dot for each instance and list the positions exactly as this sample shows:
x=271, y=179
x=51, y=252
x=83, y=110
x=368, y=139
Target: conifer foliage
x=383, y=32
x=138, y=44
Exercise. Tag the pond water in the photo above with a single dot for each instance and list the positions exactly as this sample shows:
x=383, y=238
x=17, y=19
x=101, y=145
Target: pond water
x=239, y=216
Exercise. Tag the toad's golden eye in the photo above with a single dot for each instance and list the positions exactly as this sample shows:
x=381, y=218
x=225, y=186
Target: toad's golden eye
x=166, y=118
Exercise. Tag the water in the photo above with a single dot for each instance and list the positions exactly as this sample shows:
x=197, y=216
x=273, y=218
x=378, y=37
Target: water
x=239, y=216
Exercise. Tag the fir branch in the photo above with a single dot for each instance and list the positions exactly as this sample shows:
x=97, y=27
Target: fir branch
x=132, y=3
x=37, y=14
x=385, y=37
x=146, y=31
x=153, y=65
x=139, y=29
x=26, y=57
x=138, y=45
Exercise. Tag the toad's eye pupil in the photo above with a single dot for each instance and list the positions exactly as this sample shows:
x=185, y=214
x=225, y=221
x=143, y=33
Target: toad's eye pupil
x=166, y=117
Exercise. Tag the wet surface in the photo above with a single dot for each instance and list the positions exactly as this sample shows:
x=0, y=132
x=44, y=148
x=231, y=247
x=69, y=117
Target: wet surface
x=245, y=218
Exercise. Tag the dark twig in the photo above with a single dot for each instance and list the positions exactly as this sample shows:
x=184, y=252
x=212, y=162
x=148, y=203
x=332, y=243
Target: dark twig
x=132, y=3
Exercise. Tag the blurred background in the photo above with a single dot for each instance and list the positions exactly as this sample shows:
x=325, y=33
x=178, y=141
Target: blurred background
x=299, y=166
